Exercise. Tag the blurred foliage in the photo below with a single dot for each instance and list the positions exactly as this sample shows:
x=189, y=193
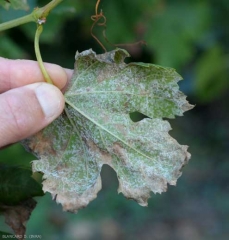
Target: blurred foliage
x=191, y=36
x=179, y=34
x=16, y=4
x=211, y=77
x=17, y=185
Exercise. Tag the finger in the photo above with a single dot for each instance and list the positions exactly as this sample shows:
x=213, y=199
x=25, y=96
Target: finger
x=26, y=110
x=17, y=73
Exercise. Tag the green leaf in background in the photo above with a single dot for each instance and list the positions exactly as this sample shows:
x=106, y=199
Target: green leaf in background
x=96, y=129
x=211, y=74
x=17, y=185
x=16, y=155
x=10, y=49
x=174, y=28
x=16, y=4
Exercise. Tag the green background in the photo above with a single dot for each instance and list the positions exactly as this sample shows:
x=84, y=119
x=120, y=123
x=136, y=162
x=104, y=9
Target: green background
x=191, y=36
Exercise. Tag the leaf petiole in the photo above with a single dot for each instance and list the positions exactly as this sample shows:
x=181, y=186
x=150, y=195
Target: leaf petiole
x=39, y=16
x=38, y=54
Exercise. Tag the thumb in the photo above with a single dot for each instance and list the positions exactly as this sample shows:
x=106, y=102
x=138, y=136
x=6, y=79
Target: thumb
x=26, y=110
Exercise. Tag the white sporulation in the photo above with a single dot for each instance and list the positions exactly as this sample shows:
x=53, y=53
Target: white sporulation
x=96, y=129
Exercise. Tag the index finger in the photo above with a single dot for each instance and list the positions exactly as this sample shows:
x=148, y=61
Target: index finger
x=17, y=73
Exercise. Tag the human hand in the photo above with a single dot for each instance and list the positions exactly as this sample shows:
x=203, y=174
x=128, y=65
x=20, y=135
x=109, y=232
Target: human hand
x=27, y=103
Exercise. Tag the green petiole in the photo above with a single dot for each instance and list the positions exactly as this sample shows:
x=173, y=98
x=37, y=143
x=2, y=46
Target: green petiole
x=39, y=16
x=38, y=54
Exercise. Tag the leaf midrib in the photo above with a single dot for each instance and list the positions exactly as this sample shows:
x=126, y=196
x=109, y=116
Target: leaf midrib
x=99, y=125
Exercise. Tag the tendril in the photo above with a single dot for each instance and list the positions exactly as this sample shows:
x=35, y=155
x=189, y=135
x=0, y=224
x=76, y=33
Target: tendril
x=99, y=19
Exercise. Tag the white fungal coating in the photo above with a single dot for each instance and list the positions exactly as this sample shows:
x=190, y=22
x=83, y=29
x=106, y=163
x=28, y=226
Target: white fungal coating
x=96, y=129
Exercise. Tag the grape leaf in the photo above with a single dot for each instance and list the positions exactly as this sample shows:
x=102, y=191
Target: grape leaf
x=96, y=129
x=16, y=4
x=16, y=216
x=17, y=185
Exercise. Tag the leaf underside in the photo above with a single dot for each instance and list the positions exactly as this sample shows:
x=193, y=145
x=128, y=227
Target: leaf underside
x=96, y=129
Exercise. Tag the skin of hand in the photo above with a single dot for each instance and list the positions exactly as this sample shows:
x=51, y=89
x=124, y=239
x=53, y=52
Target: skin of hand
x=27, y=103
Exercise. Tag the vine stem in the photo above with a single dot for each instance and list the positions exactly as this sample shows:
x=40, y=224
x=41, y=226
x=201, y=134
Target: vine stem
x=38, y=54
x=39, y=16
x=17, y=22
x=38, y=13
